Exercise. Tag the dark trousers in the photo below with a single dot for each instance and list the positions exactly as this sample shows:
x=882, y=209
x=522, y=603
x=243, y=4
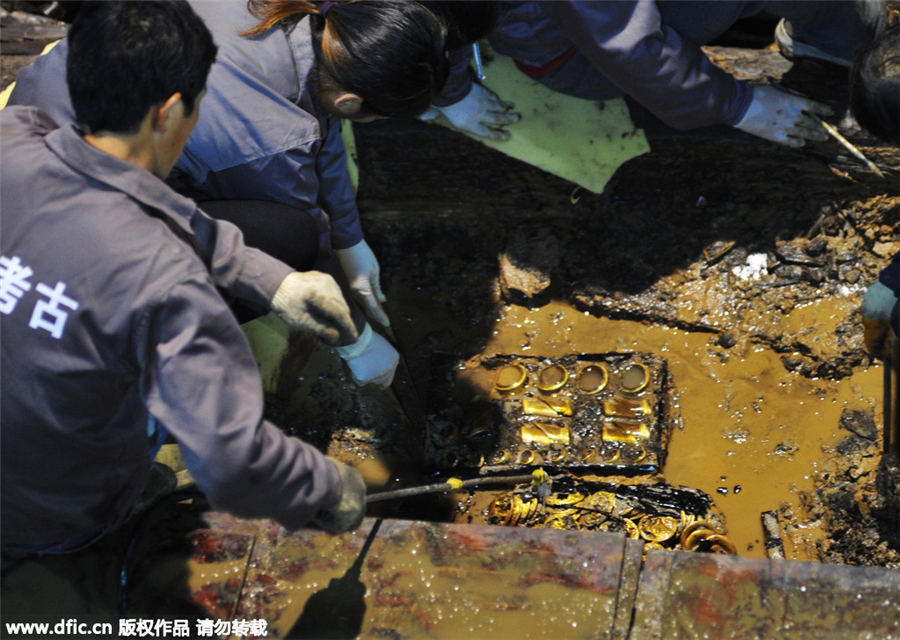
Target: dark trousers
x=288, y=234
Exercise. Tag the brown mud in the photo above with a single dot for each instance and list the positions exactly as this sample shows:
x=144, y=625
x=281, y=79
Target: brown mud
x=739, y=263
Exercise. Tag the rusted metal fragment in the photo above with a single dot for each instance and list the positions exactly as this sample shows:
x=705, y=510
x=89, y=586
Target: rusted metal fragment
x=713, y=596
x=837, y=601
x=437, y=581
x=632, y=559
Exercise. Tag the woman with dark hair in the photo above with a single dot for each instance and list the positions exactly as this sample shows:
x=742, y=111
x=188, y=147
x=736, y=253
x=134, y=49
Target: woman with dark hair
x=268, y=149
x=266, y=153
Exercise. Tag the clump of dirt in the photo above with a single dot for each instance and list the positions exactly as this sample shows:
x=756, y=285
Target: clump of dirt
x=855, y=499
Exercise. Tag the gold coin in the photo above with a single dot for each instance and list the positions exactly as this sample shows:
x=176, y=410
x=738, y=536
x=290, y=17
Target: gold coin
x=632, y=529
x=557, y=499
x=657, y=528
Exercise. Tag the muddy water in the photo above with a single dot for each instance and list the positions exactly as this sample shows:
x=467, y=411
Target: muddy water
x=752, y=434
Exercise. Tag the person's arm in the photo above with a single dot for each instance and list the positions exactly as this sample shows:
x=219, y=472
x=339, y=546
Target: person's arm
x=459, y=80
x=334, y=192
x=243, y=272
x=199, y=379
x=335, y=196
x=628, y=43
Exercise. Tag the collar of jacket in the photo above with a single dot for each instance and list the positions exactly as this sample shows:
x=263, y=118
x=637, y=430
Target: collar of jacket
x=141, y=185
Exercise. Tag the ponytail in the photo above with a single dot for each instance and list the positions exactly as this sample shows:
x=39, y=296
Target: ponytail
x=391, y=54
x=272, y=12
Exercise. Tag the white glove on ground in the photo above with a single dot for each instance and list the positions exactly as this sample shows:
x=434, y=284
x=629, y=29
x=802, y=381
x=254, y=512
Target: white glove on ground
x=481, y=112
x=783, y=117
x=313, y=301
x=371, y=359
x=350, y=508
x=364, y=274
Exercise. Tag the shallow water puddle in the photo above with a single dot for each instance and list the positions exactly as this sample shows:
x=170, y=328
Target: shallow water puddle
x=752, y=434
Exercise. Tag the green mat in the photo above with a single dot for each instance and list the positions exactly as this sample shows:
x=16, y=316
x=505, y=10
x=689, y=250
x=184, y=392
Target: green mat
x=583, y=141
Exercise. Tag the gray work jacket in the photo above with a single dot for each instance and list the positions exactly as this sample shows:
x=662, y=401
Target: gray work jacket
x=261, y=134
x=108, y=316
x=626, y=41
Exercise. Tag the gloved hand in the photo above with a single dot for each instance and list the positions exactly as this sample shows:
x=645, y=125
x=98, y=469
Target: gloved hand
x=364, y=274
x=481, y=112
x=350, y=508
x=783, y=117
x=313, y=301
x=371, y=359
x=876, y=310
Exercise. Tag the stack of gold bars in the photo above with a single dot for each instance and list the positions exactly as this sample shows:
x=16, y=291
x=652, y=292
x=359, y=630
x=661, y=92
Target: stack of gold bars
x=599, y=423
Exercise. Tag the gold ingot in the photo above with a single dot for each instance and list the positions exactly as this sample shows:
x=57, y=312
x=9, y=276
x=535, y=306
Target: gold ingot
x=633, y=453
x=552, y=377
x=556, y=455
x=619, y=431
x=693, y=526
x=510, y=377
x=451, y=459
x=500, y=457
x=657, y=528
x=526, y=456
x=632, y=529
x=550, y=407
x=635, y=378
x=478, y=430
x=593, y=379
x=609, y=454
x=627, y=408
x=718, y=541
x=544, y=434
x=694, y=538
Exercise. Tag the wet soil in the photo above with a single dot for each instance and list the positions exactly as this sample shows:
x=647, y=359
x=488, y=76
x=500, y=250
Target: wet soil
x=740, y=263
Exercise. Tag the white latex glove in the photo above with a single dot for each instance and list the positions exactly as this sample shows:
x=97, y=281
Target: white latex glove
x=313, y=301
x=481, y=112
x=876, y=310
x=350, y=508
x=371, y=359
x=783, y=117
x=364, y=274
